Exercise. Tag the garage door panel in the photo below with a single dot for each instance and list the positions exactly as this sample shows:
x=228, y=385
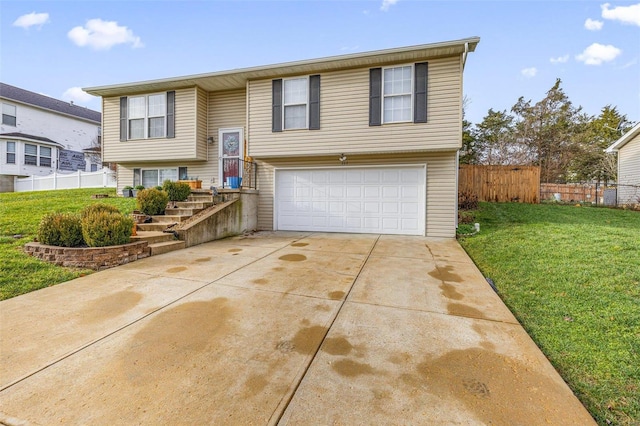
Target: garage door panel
x=369, y=200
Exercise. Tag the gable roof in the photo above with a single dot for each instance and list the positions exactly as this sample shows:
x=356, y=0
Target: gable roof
x=29, y=138
x=30, y=98
x=635, y=130
x=237, y=79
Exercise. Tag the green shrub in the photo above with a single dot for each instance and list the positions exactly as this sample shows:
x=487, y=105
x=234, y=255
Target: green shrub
x=97, y=208
x=177, y=191
x=60, y=229
x=103, y=228
x=152, y=202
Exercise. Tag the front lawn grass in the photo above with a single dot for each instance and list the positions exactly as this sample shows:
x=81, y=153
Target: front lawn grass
x=20, y=214
x=571, y=275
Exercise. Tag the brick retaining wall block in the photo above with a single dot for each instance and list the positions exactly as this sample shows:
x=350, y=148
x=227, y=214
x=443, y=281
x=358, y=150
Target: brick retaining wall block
x=96, y=258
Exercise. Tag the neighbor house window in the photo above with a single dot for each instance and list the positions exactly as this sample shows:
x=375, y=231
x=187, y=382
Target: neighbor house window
x=11, y=153
x=30, y=155
x=155, y=177
x=45, y=156
x=147, y=116
x=295, y=101
x=9, y=115
x=397, y=93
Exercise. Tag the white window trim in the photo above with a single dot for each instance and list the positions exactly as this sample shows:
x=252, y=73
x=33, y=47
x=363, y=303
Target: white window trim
x=142, y=170
x=411, y=94
x=15, y=116
x=146, y=116
x=284, y=105
x=14, y=152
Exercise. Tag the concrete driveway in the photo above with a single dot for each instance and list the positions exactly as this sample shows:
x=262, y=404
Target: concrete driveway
x=279, y=328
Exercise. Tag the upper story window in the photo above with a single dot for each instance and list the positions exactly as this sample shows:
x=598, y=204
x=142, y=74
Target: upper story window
x=9, y=115
x=398, y=94
x=147, y=116
x=11, y=153
x=296, y=103
x=296, y=98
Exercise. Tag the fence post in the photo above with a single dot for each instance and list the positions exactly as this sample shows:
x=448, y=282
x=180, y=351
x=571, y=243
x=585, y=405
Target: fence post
x=79, y=179
x=55, y=180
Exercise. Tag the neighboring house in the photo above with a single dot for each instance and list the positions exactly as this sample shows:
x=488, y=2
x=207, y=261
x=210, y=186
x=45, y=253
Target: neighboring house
x=366, y=142
x=40, y=135
x=628, y=149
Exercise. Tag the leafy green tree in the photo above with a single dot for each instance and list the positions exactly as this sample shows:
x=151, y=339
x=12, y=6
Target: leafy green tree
x=546, y=132
x=470, y=151
x=592, y=163
x=495, y=136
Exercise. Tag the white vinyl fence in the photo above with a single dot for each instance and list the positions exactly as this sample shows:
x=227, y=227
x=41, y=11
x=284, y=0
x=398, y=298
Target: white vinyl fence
x=104, y=178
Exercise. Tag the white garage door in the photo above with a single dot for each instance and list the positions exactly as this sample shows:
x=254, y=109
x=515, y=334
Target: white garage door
x=386, y=200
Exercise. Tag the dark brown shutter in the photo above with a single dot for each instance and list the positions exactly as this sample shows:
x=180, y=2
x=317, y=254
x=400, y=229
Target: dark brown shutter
x=420, y=95
x=123, y=118
x=276, y=104
x=314, y=102
x=171, y=114
x=137, y=178
x=375, y=97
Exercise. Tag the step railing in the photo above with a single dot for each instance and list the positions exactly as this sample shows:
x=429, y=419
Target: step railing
x=238, y=173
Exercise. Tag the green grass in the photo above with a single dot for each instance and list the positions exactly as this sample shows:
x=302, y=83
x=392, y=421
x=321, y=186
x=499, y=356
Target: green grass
x=20, y=214
x=571, y=275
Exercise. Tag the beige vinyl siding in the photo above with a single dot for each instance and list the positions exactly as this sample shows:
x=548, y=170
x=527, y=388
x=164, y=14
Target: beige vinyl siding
x=183, y=147
x=202, y=111
x=441, y=184
x=344, y=117
x=629, y=172
x=226, y=110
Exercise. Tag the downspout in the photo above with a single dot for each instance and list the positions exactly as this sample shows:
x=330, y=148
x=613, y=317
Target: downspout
x=464, y=54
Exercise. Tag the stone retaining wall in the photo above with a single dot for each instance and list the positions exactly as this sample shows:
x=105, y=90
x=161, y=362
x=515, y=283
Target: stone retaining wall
x=96, y=258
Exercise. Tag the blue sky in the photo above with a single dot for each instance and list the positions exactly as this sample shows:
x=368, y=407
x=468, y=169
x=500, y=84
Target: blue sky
x=56, y=47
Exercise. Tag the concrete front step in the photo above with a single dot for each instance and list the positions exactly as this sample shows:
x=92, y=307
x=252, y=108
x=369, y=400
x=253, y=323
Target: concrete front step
x=182, y=212
x=153, y=237
x=194, y=204
x=166, y=246
x=200, y=197
x=167, y=218
x=154, y=226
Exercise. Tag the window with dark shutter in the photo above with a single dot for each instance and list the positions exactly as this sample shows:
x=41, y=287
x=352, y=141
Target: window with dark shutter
x=123, y=118
x=420, y=93
x=375, y=92
x=171, y=116
x=136, y=177
x=276, y=103
x=182, y=173
x=314, y=102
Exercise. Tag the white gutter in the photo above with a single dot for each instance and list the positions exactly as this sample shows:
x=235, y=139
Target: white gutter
x=464, y=54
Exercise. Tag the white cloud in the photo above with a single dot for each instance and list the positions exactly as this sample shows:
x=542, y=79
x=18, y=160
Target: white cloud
x=625, y=14
x=598, y=53
x=31, y=19
x=386, y=4
x=593, y=24
x=77, y=95
x=102, y=35
x=529, y=72
x=559, y=59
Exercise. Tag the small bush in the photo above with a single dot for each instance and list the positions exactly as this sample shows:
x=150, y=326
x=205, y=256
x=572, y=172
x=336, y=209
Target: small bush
x=152, y=202
x=103, y=228
x=467, y=200
x=61, y=229
x=97, y=208
x=465, y=217
x=177, y=191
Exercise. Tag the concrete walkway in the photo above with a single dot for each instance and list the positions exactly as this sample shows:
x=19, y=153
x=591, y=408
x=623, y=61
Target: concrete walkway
x=278, y=328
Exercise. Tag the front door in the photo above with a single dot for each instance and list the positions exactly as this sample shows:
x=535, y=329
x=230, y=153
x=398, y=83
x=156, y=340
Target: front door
x=231, y=155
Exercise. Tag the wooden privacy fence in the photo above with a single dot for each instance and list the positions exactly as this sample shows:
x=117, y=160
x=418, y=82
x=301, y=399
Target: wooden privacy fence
x=501, y=183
